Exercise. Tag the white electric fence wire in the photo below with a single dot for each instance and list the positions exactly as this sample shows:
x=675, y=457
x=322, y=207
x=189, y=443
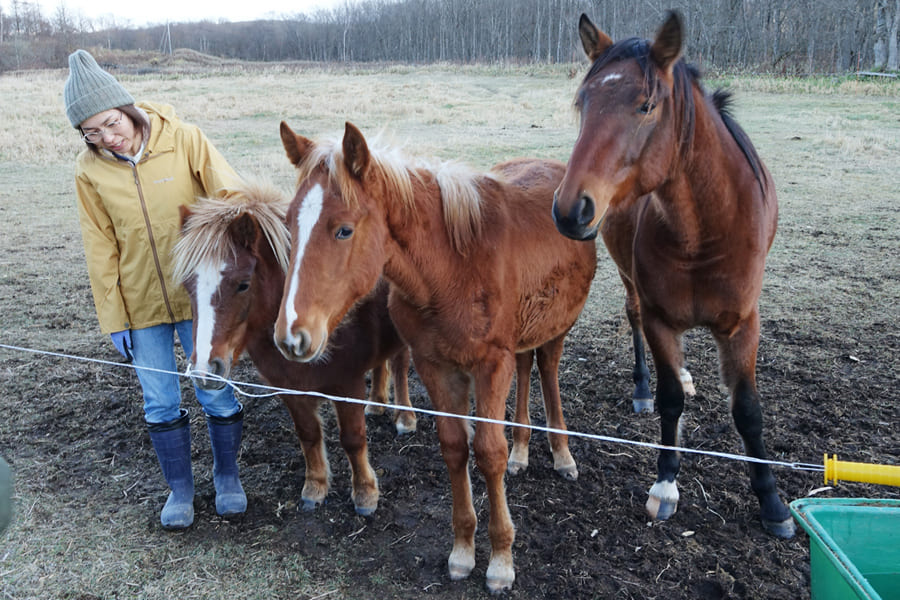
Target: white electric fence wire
x=275, y=391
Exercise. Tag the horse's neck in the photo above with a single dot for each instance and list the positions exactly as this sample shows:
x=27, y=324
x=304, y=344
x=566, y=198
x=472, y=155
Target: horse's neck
x=703, y=202
x=419, y=246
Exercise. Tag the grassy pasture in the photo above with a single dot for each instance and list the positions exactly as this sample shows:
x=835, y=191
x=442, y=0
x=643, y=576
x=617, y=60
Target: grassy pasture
x=833, y=148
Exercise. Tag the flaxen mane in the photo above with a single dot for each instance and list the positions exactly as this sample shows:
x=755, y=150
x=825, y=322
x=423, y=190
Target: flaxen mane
x=460, y=185
x=204, y=237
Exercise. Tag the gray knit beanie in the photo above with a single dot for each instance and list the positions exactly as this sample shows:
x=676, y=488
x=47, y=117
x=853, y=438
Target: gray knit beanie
x=90, y=90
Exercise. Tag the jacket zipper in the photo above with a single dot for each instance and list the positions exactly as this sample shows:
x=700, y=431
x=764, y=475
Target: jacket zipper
x=159, y=273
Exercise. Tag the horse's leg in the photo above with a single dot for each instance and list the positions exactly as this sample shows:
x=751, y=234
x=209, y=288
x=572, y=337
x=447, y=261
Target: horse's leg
x=404, y=420
x=351, y=421
x=642, y=398
x=665, y=345
x=737, y=351
x=492, y=382
x=518, y=458
x=379, y=393
x=548, y=365
x=304, y=411
x=449, y=393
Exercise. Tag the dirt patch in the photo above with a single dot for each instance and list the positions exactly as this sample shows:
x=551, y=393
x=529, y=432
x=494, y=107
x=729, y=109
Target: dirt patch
x=80, y=426
x=89, y=489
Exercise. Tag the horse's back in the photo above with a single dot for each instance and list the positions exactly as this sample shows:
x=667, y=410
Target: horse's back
x=535, y=174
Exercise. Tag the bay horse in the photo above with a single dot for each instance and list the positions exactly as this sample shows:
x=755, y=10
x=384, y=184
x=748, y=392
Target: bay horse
x=480, y=282
x=688, y=212
x=232, y=256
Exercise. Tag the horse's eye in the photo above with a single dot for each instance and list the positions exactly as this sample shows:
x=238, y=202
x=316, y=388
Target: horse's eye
x=344, y=232
x=243, y=286
x=646, y=108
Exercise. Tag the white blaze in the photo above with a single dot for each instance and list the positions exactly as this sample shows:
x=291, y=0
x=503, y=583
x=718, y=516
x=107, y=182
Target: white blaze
x=307, y=217
x=208, y=279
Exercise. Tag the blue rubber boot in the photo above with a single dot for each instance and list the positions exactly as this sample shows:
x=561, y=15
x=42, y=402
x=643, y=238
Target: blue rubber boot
x=225, y=437
x=172, y=442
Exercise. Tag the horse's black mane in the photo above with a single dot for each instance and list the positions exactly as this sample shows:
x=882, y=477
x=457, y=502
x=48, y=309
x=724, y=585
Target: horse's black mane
x=722, y=100
x=686, y=75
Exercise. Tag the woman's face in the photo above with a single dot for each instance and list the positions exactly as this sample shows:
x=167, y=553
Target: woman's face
x=112, y=129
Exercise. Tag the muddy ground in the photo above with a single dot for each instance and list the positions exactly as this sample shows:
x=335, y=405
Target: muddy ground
x=828, y=386
x=89, y=490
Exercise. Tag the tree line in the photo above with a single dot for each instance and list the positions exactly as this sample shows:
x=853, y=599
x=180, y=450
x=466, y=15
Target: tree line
x=771, y=36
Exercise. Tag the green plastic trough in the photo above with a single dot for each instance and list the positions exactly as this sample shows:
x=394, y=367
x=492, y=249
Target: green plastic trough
x=854, y=547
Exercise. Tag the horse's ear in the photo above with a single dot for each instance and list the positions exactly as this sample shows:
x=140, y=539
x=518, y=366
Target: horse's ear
x=594, y=41
x=244, y=231
x=184, y=212
x=356, y=151
x=666, y=47
x=296, y=146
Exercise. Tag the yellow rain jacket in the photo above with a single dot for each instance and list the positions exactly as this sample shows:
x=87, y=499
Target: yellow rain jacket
x=130, y=220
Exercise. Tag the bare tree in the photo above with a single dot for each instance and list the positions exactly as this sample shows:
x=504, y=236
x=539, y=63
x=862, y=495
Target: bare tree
x=893, y=61
x=780, y=36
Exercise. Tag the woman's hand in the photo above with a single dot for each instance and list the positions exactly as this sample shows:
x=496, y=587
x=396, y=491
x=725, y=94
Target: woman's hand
x=122, y=341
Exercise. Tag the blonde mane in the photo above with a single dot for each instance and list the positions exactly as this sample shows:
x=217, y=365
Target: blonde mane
x=460, y=185
x=204, y=236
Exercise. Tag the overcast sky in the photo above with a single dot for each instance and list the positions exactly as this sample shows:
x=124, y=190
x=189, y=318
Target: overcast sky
x=143, y=12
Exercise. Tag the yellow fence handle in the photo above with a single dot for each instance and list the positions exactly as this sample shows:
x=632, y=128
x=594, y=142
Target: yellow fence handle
x=840, y=470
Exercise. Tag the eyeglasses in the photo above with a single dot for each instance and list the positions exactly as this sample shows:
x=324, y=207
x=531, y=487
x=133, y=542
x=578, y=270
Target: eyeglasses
x=96, y=135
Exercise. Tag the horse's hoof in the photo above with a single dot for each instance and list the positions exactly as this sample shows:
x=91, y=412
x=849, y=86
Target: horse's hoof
x=459, y=572
x=515, y=467
x=500, y=573
x=642, y=405
x=460, y=563
x=660, y=509
x=405, y=428
x=663, y=500
x=375, y=409
x=308, y=505
x=365, y=503
x=518, y=459
x=498, y=585
x=569, y=472
x=784, y=530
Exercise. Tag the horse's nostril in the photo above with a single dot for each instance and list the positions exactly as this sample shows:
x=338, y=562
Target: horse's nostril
x=217, y=367
x=585, y=209
x=304, y=341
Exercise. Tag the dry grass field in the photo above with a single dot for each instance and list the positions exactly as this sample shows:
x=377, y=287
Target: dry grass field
x=88, y=488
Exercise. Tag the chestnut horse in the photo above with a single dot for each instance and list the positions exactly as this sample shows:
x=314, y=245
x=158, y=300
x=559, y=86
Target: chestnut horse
x=688, y=212
x=232, y=257
x=478, y=275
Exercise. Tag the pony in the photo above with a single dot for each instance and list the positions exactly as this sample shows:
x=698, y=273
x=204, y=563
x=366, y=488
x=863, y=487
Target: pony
x=688, y=212
x=480, y=284
x=231, y=257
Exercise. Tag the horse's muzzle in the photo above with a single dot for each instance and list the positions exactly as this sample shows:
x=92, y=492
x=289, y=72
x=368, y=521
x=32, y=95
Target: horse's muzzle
x=295, y=346
x=576, y=224
x=213, y=377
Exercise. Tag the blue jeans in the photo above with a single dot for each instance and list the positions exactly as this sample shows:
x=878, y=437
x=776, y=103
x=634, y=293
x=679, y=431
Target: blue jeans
x=154, y=347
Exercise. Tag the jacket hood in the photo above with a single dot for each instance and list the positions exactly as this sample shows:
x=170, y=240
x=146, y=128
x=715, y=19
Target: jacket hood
x=161, y=132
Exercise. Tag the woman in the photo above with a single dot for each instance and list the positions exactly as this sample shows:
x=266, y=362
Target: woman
x=141, y=163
